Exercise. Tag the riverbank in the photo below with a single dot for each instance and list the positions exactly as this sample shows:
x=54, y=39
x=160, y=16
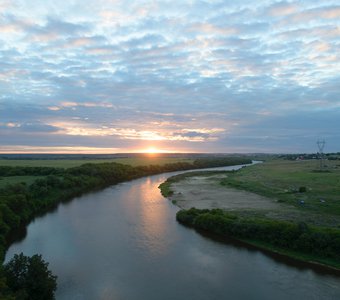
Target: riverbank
x=101, y=245
x=286, y=227
x=205, y=192
x=20, y=203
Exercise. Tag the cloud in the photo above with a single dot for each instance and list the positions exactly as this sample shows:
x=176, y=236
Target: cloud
x=54, y=29
x=323, y=13
x=34, y=127
x=210, y=29
x=283, y=9
x=55, y=150
x=66, y=104
x=116, y=73
x=199, y=134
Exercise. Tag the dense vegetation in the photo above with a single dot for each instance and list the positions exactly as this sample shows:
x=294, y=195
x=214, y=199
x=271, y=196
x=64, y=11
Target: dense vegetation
x=26, y=171
x=298, y=239
x=29, y=278
x=21, y=202
x=219, y=161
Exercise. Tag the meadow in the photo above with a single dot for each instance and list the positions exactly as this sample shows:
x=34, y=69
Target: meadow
x=300, y=184
x=70, y=163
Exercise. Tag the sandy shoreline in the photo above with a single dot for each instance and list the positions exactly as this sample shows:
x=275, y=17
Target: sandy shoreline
x=205, y=192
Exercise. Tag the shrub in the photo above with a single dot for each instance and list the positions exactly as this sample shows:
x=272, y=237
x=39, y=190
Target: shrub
x=302, y=189
x=30, y=278
x=323, y=242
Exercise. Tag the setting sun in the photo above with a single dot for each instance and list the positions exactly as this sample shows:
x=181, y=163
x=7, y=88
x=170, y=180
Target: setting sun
x=152, y=150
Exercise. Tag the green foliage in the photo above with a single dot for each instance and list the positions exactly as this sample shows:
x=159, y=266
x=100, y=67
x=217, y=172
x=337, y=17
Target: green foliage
x=30, y=278
x=12, y=180
x=302, y=189
x=20, y=202
x=25, y=171
x=165, y=189
x=322, y=243
x=220, y=162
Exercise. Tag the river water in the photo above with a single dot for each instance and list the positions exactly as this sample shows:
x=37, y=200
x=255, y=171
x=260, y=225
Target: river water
x=124, y=243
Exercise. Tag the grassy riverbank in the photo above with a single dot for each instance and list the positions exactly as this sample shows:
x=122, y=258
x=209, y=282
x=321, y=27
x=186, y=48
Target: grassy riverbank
x=21, y=202
x=295, y=183
x=296, y=196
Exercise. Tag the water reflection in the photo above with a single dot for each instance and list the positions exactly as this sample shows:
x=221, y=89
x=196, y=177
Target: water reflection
x=148, y=217
x=124, y=243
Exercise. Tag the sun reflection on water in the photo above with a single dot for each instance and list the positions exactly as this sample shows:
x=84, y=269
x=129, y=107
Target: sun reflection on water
x=153, y=217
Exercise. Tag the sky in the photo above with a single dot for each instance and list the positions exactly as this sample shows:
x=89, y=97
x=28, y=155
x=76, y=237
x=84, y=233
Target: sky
x=110, y=76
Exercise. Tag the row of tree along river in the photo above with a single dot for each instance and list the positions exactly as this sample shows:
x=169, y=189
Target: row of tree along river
x=123, y=242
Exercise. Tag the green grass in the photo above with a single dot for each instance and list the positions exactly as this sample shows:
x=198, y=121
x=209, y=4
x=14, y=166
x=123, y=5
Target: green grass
x=281, y=179
x=17, y=179
x=69, y=163
x=165, y=189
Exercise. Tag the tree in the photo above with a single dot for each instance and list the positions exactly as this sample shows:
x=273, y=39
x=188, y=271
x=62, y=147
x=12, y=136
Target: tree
x=30, y=278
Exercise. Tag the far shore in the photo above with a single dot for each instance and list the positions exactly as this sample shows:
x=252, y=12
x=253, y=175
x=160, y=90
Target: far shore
x=204, y=192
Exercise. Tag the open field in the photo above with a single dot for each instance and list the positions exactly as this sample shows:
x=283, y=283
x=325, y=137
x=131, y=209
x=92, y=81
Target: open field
x=69, y=163
x=278, y=189
x=286, y=181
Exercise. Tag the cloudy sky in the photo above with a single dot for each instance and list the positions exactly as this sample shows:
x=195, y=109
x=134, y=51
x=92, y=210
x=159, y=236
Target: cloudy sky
x=199, y=76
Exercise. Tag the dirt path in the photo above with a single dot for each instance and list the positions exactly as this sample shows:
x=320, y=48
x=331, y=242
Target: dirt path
x=205, y=192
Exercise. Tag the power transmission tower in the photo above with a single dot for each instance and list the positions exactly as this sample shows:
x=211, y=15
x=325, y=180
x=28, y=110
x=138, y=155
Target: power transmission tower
x=321, y=145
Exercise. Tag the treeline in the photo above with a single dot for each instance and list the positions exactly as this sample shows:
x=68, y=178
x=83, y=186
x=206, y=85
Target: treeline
x=322, y=244
x=329, y=156
x=220, y=161
x=20, y=203
x=6, y=171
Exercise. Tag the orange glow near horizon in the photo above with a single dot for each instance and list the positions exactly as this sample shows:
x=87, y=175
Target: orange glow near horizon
x=152, y=150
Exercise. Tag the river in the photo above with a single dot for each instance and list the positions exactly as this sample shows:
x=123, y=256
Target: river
x=124, y=243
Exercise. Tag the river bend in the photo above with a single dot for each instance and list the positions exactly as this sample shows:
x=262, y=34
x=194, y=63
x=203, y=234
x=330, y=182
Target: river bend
x=124, y=243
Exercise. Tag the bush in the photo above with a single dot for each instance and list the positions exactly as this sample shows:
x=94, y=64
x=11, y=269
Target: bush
x=30, y=278
x=323, y=242
x=302, y=189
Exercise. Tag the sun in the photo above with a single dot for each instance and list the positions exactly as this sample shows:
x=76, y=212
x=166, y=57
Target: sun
x=152, y=150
